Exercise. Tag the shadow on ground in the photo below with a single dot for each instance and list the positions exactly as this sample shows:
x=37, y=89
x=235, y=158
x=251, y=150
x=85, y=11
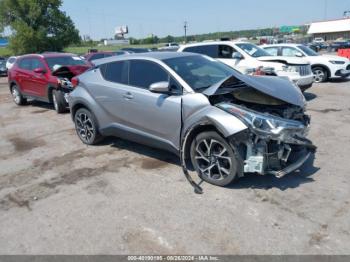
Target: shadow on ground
x=293, y=180
x=309, y=96
x=158, y=154
x=39, y=105
x=339, y=80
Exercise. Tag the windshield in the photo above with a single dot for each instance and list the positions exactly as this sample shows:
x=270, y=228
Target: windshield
x=253, y=50
x=58, y=61
x=2, y=62
x=199, y=72
x=307, y=50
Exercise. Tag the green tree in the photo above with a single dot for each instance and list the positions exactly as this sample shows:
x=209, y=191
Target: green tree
x=37, y=25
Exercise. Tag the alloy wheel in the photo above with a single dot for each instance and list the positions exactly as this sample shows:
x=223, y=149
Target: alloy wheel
x=85, y=127
x=213, y=159
x=16, y=96
x=319, y=75
x=54, y=100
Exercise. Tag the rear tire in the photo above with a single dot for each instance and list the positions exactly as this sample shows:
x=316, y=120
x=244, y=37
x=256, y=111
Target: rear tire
x=214, y=159
x=320, y=74
x=59, y=102
x=17, y=96
x=86, y=127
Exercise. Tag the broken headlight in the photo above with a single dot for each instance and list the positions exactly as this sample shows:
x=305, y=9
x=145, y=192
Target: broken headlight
x=292, y=69
x=264, y=124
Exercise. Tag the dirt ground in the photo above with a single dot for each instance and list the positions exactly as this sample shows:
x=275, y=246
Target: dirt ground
x=58, y=196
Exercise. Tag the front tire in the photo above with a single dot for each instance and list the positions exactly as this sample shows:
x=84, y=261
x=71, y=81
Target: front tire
x=59, y=103
x=214, y=159
x=86, y=127
x=320, y=74
x=17, y=96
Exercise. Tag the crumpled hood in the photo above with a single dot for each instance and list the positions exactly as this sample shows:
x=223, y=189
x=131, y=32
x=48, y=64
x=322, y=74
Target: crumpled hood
x=284, y=60
x=70, y=70
x=336, y=58
x=277, y=87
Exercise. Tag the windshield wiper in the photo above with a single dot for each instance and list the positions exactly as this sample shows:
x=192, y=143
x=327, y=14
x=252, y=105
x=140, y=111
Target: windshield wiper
x=204, y=87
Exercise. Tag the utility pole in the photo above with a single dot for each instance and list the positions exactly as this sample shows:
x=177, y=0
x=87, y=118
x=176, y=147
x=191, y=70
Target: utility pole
x=325, y=9
x=185, y=28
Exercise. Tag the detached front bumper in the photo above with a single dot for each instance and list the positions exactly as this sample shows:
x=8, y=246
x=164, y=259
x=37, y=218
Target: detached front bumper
x=292, y=167
x=278, y=157
x=298, y=156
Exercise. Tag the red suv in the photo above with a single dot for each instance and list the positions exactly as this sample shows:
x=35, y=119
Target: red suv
x=46, y=77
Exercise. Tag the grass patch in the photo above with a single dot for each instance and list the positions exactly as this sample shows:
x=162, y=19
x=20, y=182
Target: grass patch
x=5, y=52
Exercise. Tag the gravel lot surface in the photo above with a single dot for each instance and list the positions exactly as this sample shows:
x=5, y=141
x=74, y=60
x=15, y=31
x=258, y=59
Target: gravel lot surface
x=58, y=196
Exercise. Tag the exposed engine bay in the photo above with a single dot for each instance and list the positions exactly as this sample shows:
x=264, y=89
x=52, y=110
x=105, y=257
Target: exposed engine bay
x=64, y=76
x=275, y=142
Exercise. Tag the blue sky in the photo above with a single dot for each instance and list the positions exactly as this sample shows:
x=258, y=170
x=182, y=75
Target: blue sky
x=162, y=17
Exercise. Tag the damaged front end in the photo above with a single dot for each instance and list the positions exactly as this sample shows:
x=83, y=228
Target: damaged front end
x=65, y=74
x=275, y=141
x=272, y=145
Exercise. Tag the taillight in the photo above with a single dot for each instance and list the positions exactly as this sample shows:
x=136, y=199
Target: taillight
x=75, y=82
x=259, y=71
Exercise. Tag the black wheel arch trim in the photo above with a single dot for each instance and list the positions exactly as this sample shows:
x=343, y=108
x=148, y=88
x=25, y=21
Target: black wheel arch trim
x=12, y=83
x=190, y=133
x=79, y=105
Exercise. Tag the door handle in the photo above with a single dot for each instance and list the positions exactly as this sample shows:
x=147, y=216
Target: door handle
x=128, y=96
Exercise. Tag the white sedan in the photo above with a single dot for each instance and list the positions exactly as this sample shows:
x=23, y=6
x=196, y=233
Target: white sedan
x=324, y=67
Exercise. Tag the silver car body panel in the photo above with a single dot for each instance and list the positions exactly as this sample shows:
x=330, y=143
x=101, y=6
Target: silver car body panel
x=198, y=110
x=148, y=118
x=165, y=121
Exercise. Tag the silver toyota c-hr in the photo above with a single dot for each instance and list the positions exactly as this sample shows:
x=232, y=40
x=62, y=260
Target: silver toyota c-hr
x=222, y=124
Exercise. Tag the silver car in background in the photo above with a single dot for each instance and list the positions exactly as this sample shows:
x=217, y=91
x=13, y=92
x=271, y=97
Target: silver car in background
x=222, y=124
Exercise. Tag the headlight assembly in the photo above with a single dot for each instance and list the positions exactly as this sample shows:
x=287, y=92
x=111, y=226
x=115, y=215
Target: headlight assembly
x=334, y=62
x=293, y=69
x=263, y=124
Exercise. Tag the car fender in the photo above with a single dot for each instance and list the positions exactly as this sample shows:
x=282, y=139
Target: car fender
x=325, y=66
x=197, y=110
x=14, y=82
x=80, y=97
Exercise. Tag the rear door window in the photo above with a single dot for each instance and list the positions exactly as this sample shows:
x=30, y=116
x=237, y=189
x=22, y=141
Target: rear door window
x=209, y=50
x=144, y=73
x=116, y=72
x=272, y=50
x=226, y=51
x=289, y=51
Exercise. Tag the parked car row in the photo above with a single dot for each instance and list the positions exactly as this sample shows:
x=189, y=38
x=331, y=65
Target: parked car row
x=245, y=57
